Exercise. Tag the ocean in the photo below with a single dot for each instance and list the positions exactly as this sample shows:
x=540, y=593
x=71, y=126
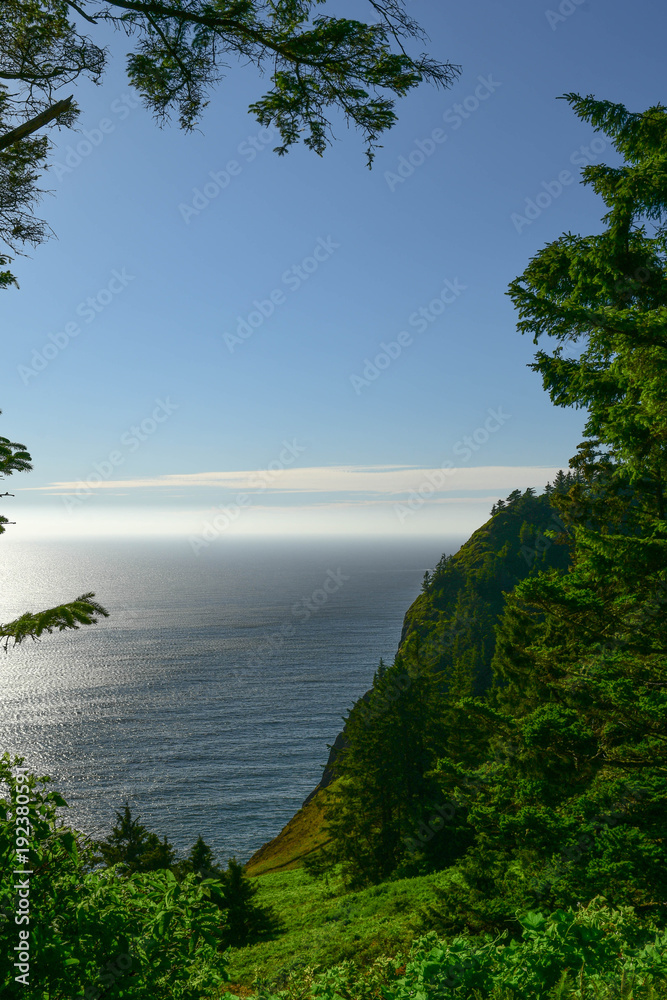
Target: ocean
x=208, y=698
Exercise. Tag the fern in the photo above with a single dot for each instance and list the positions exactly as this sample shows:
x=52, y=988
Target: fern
x=563, y=988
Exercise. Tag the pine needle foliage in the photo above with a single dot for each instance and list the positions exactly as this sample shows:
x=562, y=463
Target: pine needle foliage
x=547, y=784
x=324, y=69
x=83, y=610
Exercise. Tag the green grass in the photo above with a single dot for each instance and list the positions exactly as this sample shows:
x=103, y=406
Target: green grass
x=324, y=925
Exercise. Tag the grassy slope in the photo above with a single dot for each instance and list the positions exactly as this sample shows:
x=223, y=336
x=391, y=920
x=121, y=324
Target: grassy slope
x=324, y=925
x=303, y=834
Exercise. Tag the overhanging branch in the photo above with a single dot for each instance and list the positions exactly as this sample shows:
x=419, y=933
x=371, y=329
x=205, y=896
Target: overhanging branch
x=35, y=123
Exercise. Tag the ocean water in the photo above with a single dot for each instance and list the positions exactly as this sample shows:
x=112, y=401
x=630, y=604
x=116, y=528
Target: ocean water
x=208, y=698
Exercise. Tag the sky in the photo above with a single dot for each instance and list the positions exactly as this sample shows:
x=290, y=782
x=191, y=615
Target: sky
x=220, y=340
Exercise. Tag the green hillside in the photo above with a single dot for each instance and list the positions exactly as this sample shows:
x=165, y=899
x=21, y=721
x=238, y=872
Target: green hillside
x=455, y=617
x=453, y=620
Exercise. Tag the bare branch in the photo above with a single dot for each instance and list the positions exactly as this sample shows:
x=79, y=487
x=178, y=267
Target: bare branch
x=74, y=6
x=35, y=123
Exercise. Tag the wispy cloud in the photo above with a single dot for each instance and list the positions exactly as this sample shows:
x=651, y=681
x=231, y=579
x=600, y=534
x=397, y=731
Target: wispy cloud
x=354, y=480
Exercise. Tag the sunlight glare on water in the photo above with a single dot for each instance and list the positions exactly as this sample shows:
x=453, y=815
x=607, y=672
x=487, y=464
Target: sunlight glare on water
x=208, y=697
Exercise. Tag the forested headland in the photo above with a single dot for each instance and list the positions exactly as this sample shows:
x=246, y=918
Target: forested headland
x=495, y=826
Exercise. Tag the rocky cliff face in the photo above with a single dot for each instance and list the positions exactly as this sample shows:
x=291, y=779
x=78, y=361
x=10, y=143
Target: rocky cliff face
x=340, y=743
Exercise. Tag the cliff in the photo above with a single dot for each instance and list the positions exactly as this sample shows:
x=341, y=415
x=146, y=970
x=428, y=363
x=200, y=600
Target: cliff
x=453, y=621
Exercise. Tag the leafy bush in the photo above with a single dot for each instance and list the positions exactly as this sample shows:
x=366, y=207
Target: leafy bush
x=594, y=946
x=94, y=933
x=590, y=952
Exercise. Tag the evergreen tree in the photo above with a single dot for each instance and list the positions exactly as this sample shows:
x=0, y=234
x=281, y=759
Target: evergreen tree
x=246, y=920
x=579, y=807
x=608, y=294
x=201, y=861
x=456, y=617
x=392, y=806
x=383, y=794
x=132, y=845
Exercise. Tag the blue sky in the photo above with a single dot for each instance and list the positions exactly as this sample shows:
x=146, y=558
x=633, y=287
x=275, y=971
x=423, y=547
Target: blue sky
x=210, y=310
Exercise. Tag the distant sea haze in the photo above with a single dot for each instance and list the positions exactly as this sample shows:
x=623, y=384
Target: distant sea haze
x=208, y=698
